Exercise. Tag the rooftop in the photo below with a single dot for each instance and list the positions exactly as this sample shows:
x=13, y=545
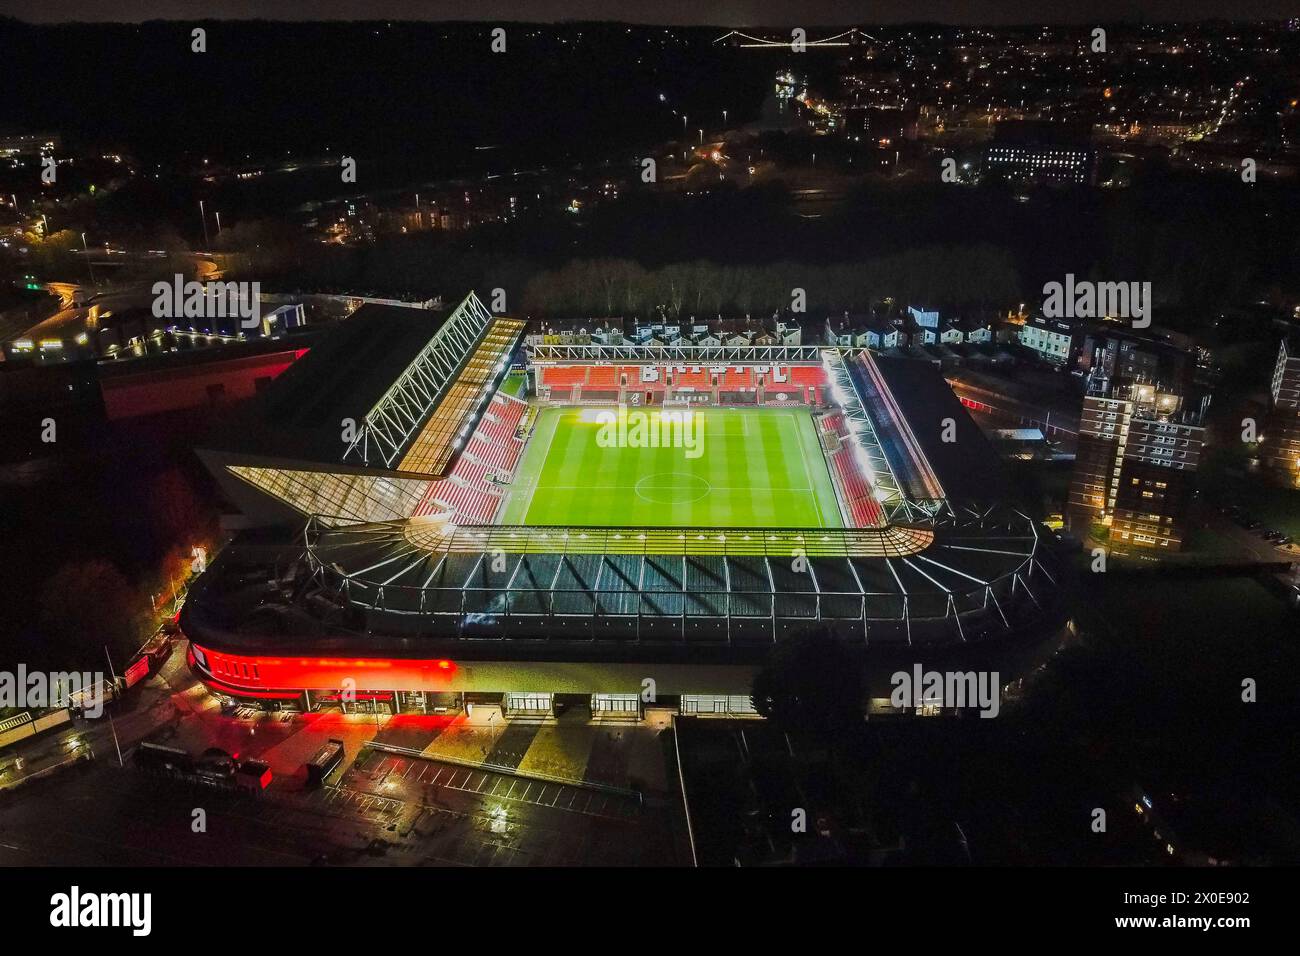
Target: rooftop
x=409, y=379
x=967, y=466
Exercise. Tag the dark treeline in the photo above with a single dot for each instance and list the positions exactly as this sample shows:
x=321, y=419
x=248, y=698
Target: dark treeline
x=979, y=276
x=1206, y=244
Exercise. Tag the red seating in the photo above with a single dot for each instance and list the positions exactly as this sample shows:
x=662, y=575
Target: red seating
x=806, y=375
x=603, y=377
x=564, y=376
x=607, y=378
x=685, y=377
x=833, y=424
x=737, y=380
x=471, y=472
x=852, y=484
x=493, y=448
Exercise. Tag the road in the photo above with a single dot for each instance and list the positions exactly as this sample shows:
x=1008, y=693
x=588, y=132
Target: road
x=71, y=320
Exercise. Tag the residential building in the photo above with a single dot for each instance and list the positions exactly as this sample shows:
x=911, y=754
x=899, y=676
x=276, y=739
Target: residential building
x=1052, y=339
x=1280, y=450
x=1137, y=455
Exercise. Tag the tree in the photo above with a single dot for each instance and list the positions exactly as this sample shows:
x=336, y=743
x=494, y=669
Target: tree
x=90, y=604
x=175, y=509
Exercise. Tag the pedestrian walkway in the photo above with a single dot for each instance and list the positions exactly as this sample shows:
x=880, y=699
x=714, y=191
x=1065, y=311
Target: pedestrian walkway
x=570, y=747
x=39, y=758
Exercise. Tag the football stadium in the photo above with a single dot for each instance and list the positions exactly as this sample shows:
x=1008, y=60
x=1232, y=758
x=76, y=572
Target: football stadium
x=442, y=508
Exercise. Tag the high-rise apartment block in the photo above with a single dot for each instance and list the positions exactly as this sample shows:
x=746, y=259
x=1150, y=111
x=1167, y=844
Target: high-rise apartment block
x=1134, y=471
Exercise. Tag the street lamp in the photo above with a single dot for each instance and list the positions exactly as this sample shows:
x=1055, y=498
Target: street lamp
x=724, y=117
x=218, y=224
x=204, y=216
x=84, y=248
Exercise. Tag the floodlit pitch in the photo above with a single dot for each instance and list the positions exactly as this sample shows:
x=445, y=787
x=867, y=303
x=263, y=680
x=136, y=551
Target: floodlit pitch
x=699, y=467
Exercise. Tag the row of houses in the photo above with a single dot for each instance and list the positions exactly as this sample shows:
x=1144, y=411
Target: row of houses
x=1052, y=340
x=1060, y=342
x=721, y=332
x=919, y=326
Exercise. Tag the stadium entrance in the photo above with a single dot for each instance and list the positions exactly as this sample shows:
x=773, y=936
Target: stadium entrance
x=514, y=705
x=625, y=706
x=717, y=705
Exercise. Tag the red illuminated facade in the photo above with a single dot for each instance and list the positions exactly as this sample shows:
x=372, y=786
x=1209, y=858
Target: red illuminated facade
x=267, y=677
x=216, y=382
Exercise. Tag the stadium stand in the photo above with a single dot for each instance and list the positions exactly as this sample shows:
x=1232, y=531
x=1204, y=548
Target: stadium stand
x=493, y=449
x=602, y=377
x=806, y=375
x=852, y=486
x=692, y=377
x=906, y=460
x=564, y=376
x=738, y=378
x=599, y=382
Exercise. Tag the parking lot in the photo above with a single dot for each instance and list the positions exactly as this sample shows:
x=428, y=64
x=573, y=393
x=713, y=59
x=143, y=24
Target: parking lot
x=384, y=811
x=414, y=780
x=1267, y=536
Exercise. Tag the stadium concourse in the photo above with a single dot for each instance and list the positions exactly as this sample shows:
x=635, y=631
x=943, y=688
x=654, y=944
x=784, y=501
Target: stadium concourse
x=422, y=537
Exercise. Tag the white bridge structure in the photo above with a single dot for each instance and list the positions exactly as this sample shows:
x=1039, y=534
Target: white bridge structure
x=846, y=38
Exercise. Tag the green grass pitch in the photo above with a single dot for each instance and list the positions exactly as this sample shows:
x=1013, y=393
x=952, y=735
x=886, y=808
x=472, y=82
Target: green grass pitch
x=752, y=468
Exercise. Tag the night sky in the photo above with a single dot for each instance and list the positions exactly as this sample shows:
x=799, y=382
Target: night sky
x=727, y=12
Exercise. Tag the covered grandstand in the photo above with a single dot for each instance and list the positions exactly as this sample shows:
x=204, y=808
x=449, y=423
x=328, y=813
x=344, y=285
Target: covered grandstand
x=396, y=413
x=385, y=553
x=653, y=383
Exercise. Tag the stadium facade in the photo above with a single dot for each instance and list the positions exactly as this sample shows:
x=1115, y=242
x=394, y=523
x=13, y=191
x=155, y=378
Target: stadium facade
x=377, y=470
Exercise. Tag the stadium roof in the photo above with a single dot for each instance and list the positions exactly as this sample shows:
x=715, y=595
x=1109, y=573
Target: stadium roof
x=973, y=574
x=344, y=374
x=409, y=379
x=968, y=466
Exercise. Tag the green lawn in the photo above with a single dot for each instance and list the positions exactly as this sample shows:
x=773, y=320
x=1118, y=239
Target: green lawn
x=750, y=468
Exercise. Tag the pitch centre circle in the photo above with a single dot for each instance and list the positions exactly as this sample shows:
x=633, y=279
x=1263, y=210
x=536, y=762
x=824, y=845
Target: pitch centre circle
x=672, y=488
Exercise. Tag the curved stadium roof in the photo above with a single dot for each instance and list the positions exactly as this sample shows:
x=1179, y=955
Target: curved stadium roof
x=972, y=574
